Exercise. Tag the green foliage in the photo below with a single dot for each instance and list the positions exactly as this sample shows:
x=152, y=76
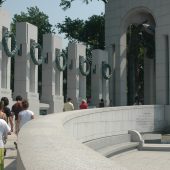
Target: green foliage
x=37, y=18
x=138, y=39
x=1, y=2
x=91, y=31
x=73, y=29
x=65, y=4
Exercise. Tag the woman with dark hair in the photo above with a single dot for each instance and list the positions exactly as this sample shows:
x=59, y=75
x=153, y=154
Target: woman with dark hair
x=16, y=108
x=101, y=104
x=2, y=114
x=25, y=115
x=7, y=111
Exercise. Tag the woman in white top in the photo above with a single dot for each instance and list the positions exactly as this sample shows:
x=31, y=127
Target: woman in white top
x=25, y=115
x=4, y=132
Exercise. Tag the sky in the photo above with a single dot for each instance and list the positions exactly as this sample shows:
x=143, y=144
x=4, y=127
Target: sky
x=56, y=14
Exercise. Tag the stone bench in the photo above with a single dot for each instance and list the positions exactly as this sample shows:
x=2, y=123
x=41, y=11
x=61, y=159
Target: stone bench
x=112, y=145
x=152, y=138
x=104, y=142
x=156, y=147
x=118, y=148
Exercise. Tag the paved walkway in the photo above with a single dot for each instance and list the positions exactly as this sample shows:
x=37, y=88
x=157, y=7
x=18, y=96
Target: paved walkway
x=143, y=160
x=133, y=160
x=11, y=154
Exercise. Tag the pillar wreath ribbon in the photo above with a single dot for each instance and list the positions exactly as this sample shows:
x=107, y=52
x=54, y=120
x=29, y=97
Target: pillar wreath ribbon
x=106, y=67
x=57, y=61
x=32, y=53
x=83, y=61
x=14, y=48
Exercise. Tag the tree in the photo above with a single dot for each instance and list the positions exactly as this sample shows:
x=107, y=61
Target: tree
x=65, y=4
x=35, y=17
x=91, y=31
x=1, y=2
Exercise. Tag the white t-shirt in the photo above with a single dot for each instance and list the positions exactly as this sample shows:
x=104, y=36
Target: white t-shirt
x=25, y=116
x=4, y=130
x=68, y=106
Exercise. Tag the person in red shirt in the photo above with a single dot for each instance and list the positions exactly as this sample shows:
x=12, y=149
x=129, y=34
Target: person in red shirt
x=83, y=105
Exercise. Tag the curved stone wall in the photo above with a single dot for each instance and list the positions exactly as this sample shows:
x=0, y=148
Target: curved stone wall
x=50, y=142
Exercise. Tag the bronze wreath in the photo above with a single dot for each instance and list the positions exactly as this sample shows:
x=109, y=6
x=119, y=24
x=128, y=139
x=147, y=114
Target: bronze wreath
x=81, y=64
x=104, y=71
x=57, y=61
x=32, y=53
x=14, y=48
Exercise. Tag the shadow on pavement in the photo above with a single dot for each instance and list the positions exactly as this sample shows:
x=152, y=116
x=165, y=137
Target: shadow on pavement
x=11, y=166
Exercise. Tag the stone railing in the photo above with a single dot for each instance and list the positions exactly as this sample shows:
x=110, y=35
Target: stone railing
x=55, y=141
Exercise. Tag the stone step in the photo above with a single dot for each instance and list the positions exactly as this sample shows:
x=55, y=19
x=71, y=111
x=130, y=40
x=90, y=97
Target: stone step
x=118, y=148
x=156, y=147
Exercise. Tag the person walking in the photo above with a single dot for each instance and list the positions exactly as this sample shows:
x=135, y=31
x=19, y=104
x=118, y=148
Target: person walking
x=68, y=106
x=101, y=104
x=4, y=132
x=2, y=114
x=16, y=108
x=83, y=104
x=7, y=111
x=25, y=115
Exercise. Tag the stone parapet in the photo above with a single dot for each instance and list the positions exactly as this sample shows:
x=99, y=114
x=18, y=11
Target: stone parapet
x=55, y=141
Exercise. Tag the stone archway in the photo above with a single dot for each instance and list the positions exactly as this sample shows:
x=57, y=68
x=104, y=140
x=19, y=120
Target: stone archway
x=119, y=15
x=142, y=19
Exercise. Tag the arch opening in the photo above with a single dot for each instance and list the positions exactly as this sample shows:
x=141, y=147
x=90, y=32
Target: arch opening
x=140, y=56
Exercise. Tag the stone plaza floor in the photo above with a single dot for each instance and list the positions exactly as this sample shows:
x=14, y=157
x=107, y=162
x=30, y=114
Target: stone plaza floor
x=132, y=160
x=11, y=154
x=143, y=160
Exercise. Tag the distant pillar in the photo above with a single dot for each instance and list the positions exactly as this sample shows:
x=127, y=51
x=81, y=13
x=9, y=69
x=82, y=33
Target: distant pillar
x=149, y=81
x=76, y=82
x=162, y=68
x=99, y=85
x=5, y=61
x=26, y=71
x=52, y=77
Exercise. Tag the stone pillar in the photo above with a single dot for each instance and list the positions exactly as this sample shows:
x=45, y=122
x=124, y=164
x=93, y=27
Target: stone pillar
x=76, y=82
x=122, y=59
x=5, y=61
x=149, y=81
x=112, y=84
x=117, y=58
x=99, y=85
x=52, y=78
x=26, y=72
x=162, y=54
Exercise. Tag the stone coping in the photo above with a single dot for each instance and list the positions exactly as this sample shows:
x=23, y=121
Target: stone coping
x=46, y=142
